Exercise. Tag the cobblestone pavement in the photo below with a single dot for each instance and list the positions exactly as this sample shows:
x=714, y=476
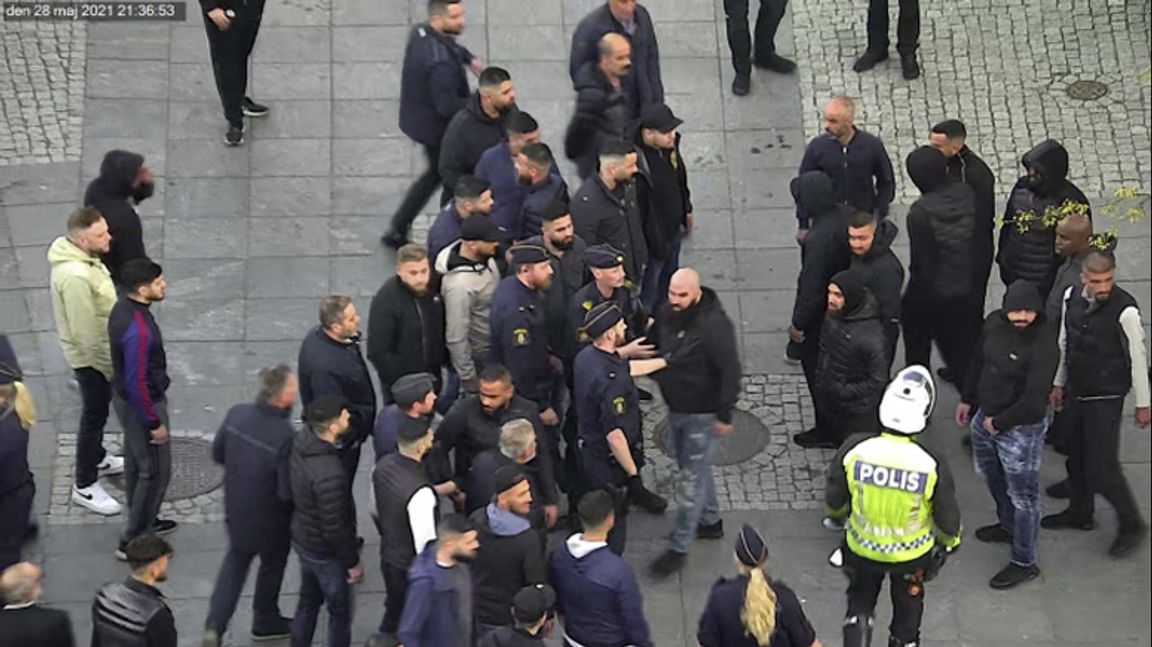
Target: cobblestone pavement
x=1003, y=67
x=42, y=71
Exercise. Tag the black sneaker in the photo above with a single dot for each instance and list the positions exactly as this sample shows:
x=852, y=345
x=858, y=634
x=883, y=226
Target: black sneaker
x=776, y=63
x=994, y=534
x=253, y=109
x=741, y=84
x=645, y=499
x=644, y=394
x=667, y=563
x=234, y=137
x=944, y=374
x=1065, y=521
x=1013, y=575
x=714, y=531
x=122, y=551
x=274, y=630
x=910, y=67
x=1127, y=541
x=163, y=527
x=868, y=60
x=394, y=239
x=1061, y=490
x=814, y=439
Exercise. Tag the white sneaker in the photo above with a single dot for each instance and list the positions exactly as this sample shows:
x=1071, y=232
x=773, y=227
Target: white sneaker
x=96, y=499
x=111, y=466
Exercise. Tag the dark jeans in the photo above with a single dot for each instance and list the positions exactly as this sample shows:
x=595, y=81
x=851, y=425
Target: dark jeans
x=1094, y=461
x=1010, y=465
x=740, y=41
x=230, y=581
x=907, y=26
x=15, y=511
x=949, y=324
x=418, y=194
x=230, y=51
x=147, y=469
x=657, y=276
x=322, y=581
x=906, y=586
x=95, y=396
x=396, y=588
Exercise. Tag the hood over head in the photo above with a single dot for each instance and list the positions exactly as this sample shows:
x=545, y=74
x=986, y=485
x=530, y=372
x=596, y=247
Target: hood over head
x=813, y=193
x=118, y=172
x=928, y=169
x=882, y=240
x=851, y=284
x=1050, y=160
x=1023, y=295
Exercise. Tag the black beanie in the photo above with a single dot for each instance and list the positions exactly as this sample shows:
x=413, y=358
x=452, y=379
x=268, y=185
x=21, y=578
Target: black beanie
x=852, y=287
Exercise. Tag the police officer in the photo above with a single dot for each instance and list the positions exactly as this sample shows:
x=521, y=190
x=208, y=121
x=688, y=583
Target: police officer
x=899, y=502
x=16, y=487
x=608, y=409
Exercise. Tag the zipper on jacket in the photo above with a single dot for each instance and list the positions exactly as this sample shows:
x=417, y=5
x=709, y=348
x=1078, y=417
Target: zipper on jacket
x=423, y=337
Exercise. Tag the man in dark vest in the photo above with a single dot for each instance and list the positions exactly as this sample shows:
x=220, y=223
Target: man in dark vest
x=133, y=612
x=1102, y=358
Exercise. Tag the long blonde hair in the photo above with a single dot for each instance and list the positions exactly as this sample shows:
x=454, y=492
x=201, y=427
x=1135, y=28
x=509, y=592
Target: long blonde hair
x=759, y=612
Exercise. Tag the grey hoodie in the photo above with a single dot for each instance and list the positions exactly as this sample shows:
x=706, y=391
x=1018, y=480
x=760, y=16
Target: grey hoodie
x=467, y=290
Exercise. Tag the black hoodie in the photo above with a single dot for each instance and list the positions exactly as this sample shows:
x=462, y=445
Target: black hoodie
x=881, y=271
x=940, y=228
x=469, y=134
x=825, y=249
x=1011, y=374
x=113, y=195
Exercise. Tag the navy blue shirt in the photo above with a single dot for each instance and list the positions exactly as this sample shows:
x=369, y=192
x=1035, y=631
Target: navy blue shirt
x=520, y=339
x=444, y=231
x=589, y=297
x=720, y=624
x=861, y=172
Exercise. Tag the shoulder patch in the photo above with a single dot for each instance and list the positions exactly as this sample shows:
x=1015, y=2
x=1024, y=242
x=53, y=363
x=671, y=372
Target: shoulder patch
x=520, y=337
x=619, y=405
x=587, y=305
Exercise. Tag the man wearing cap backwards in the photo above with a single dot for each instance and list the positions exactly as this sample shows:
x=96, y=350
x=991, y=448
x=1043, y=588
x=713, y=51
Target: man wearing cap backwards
x=469, y=278
x=531, y=615
x=608, y=410
x=898, y=503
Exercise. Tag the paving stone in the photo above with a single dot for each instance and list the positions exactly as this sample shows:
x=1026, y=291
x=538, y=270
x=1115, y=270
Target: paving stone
x=200, y=278
x=687, y=40
x=366, y=118
x=290, y=196
x=365, y=81
x=287, y=237
x=204, y=158
x=122, y=41
x=39, y=183
x=359, y=276
x=512, y=42
x=202, y=320
x=370, y=12
x=766, y=228
x=189, y=44
x=287, y=277
x=293, y=45
x=291, y=157
x=374, y=157
x=271, y=81
x=37, y=224
x=376, y=43
x=293, y=119
x=205, y=362
x=206, y=197
x=273, y=319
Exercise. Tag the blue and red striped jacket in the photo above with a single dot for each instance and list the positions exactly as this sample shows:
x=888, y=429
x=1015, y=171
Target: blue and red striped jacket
x=141, y=368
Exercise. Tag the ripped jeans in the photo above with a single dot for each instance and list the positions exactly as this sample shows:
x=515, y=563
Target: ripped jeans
x=1010, y=465
x=695, y=494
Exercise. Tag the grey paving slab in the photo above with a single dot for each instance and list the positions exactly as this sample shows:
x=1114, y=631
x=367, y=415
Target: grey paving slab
x=195, y=119
x=188, y=44
x=208, y=319
x=128, y=79
x=511, y=12
x=293, y=45
x=369, y=43
x=120, y=41
x=688, y=39
x=290, y=196
x=359, y=276
x=37, y=224
x=203, y=158
x=38, y=183
x=32, y=265
x=9, y=275
x=271, y=81
x=200, y=237
x=365, y=81
x=288, y=237
x=766, y=228
x=291, y=157
x=510, y=44
x=292, y=119
x=372, y=157
x=367, y=196
x=288, y=277
x=273, y=319
x=206, y=197
x=366, y=118
x=368, y=12
x=202, y=278
x=302, y=13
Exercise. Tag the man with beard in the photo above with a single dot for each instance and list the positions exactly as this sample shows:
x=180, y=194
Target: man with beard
x=476, y=127
x=1005, y=402
x=473, y=195
x=133, y=612
x=438, y=611
x=498, y=167
x=124, y=182
x=878, y=267
x=605, y=208
x=536, y=168
x=630, y=21
x=602, y=112
x=470, y=276
x=569, y=269
x=1073, y=244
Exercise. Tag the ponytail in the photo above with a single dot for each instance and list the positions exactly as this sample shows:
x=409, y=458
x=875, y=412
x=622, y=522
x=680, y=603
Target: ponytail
x=759, y=612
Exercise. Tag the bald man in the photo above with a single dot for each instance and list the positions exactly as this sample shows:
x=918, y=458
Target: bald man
x=629, y=20
x=700, y=386
x=22, y=622
x=1072, y=244
x=603, y=112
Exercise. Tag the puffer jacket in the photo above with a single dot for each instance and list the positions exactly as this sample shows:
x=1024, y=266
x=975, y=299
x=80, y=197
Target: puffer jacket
x=940, y=231
x=323, y=519
x=881, y=270
x=601, y=215
x=825, y=249
x=113, y=195
x=1030, y=255
x=601, y=114
x=467, y=290
x=82, y=298
x=852, y=370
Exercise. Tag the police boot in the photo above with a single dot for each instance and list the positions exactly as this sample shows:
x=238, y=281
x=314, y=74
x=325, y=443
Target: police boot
x=643, y=498
x=858, y=631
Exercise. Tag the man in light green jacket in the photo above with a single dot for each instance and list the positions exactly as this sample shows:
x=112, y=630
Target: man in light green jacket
x=82, y=297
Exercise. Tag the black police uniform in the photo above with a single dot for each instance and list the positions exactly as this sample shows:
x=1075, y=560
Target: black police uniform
x=520, y=340
x=16, y=486
x=589, y=297
x=721, y=626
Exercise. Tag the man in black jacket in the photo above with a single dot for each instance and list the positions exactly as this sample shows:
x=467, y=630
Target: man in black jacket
x=330, y=363
x=881, y=271
x=632, y=22
x=940, y=272
x=22, y=620
x=323, y=527
x=124, y=182
x=700, y=385
x=602, y=111
x=1005, y=401
x=511, y=555
x=517, y=447
x=433, y=88
x=536, y=168
x=232, y=27
x=133, y=612
x=475, y=128
x=252, y=444
x=605, y=208
x=823, y=252
x=532, y=610
x=664, y=198
x=406, y=323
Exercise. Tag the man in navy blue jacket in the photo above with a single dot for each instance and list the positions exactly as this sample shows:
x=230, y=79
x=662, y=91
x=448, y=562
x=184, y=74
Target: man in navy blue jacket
x=596, y=592
x=433, y=87
x=643, y=84
x=498, y=166
x=438, y=607
x=252, y=444
x=140, y=381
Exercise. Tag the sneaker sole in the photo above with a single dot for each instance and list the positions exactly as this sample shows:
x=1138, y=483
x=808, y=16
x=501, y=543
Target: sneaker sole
x=231, y=144
x=121, y=555
x=111, y=471
x=85, y=503
x=268, y=637
x=255, y=115
x=1005, y=587
x=161, y=533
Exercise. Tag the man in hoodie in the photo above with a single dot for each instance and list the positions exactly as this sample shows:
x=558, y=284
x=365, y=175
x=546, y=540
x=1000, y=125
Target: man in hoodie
x=536, y=169
x=852, y=370
x=124, y=182
x=700, y=386
x=824, y=251
x=140, y=383
x=532, y=616
x=476, y=127
x=1005, y=401
x=433, y=88
x=605, y=208
x=82, y=298
x=470, y=275
x=602, y=112
x=232, y=27
x=940, y=272
x=664, y=198
x=498, y=167
x=630, y=21
x=406, y=323
x=511, y=555
x=880, y=270
x=597, y=596
x=473, y=195
x=1027, y=247
x=438, y=611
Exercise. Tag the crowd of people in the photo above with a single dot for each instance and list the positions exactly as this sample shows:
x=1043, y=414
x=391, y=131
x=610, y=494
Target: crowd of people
x=504, y=404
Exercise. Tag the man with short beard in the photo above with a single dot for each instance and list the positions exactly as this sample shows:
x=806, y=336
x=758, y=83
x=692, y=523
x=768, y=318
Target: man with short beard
x=536, y=169
x=124, y=182
x=605, y=208
x=569, y=270
x=602, y=112
x=438, y=611
x=478, y=126
x=1073, y=244
x=470, y=275
x=500, y=168
x=134, y=612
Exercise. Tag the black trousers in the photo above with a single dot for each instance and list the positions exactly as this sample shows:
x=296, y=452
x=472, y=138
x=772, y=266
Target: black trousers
x=15, y=512
x=809, y=356
x=905, y=585
x=418, y=194
x=947, y=322
x=891, y=337
x=907, y=27
x=1094, y=460
x=396, y=588
x=230, y=582
x=740, y=41
x=230, y=51
x=95, y=399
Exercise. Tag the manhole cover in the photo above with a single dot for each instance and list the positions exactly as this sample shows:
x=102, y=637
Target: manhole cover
x=748, y=437
x=193, y=471
x=1087, y=90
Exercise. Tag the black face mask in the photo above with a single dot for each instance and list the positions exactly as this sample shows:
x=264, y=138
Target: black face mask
x=143, y=192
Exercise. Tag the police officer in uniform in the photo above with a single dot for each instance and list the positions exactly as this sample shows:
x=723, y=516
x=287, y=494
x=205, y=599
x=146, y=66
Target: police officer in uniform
x=608, y=409
x=16, y=487
x=899, y=504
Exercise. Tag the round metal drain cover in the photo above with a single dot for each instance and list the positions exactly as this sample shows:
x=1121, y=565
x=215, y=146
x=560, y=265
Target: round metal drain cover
x=1086, y=90
x=748, y=437
x=193, y=471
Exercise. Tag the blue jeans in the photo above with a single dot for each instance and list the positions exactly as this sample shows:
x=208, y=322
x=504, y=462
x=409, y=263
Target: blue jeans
x=1010, y=465
x=322, y=581
x=695, y=495
x=657, y=276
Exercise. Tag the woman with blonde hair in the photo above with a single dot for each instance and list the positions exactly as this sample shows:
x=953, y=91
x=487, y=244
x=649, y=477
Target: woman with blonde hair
x=16, y=487
x=751, y=610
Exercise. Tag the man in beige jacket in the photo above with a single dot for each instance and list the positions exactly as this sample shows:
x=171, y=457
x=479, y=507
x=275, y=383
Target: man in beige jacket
x=82, y=297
